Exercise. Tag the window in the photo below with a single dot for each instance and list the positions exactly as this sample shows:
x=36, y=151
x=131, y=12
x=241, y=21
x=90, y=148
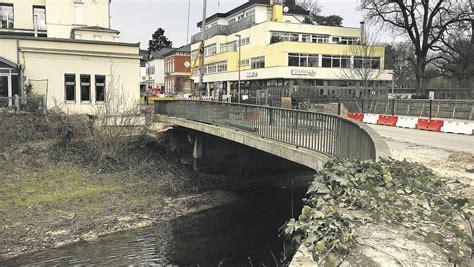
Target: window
x=210, y=50
x=245, y=41
x=366, y=63
x=317, y=38
x=258, y=63
x=250, y=13
x=232, y=21
x=284, y=36
x=99, y=88
x=349, y=40
x=336, y=61
x=70, y=87
x=39, y=14
x=229, y=47
x=215, y=67
x=6, y=16
x=79, y=13
x=303, y=60
x=245, y=62
x=85, y=88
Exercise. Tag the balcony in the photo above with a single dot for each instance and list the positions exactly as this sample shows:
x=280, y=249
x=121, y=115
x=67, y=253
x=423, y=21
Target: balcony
x=232, y=28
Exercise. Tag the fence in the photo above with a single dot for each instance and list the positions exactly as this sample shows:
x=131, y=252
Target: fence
x=330, y=135
x=449, y=109
x=24, y=104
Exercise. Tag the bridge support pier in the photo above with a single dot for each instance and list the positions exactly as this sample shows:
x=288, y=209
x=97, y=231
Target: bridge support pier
x=197, y=152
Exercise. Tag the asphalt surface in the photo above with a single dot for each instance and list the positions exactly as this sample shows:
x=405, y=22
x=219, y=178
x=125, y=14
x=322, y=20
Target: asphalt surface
x=445, y=141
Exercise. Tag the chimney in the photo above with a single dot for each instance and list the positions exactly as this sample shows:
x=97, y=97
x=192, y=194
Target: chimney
x=277, y=7
x=362, y=32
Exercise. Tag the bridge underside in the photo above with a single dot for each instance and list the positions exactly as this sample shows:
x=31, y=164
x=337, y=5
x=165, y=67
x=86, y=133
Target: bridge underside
x=303, y=156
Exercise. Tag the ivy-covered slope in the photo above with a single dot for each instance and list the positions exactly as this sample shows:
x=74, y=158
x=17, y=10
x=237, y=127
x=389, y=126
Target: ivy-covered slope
x=346, y=195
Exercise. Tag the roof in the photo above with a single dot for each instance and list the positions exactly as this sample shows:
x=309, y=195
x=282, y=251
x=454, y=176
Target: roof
x=160, y=53
x=184, y=49
x=95, y=29
x=294, y=10
x=8, y=63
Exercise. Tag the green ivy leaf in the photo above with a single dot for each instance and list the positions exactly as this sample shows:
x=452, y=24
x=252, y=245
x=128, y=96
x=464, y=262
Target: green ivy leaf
x=433, y=237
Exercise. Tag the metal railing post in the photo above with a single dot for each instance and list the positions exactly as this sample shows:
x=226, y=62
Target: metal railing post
x=393, y=106
x=431, y=107
x=338, y=107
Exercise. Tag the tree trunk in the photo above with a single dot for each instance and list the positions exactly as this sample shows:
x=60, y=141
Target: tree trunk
x=420, y=73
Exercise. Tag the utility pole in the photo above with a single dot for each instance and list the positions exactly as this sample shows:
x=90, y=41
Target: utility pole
x=201, y=53
x=240, y=46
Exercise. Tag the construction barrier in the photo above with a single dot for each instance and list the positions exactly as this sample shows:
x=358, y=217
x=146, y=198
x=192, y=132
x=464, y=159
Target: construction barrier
x=382, y=120
x=407, y=122
x=370, y=118
x=356, y=116
x=392, y=121
x=458, y=127
x=422, y=124
x=435, y=125
x=387, y=120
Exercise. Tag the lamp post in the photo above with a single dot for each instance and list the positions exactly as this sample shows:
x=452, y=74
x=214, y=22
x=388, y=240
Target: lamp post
x=238, y=85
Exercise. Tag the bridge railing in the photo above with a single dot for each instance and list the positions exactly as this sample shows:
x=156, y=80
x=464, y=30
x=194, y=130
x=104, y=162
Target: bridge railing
x=328, y=134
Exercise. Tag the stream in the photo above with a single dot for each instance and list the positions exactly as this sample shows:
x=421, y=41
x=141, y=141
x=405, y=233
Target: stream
x=244, y=233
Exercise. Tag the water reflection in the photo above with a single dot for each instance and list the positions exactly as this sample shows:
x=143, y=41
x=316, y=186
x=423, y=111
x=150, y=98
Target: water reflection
x=243, y=234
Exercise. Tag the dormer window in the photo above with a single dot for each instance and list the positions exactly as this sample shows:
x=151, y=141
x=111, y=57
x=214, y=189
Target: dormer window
x=6, y=16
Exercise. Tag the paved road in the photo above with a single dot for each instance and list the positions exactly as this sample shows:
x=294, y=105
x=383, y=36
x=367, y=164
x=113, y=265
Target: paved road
x=450, y=142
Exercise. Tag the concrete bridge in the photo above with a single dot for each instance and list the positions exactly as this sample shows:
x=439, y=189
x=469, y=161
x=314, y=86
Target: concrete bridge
x=307, y=138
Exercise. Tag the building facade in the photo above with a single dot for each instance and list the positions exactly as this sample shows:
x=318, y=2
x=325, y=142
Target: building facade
x=67, y=51
x=155, y=69
x=177, y=70
x=280, y=54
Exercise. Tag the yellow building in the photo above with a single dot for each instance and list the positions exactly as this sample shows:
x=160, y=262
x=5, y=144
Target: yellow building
x=281, y=54
x=67, y=51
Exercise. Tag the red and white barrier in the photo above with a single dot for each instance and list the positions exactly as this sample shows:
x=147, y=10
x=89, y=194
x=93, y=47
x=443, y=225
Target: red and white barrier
x=371, y=118
x=458, y=127
x=435, y=125
x=407, y=122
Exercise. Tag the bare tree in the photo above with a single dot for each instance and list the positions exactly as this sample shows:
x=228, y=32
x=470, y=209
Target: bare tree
x=456, y=53
x=425, y=22
x=400, y=57
x=366, y=66
x=311, y=5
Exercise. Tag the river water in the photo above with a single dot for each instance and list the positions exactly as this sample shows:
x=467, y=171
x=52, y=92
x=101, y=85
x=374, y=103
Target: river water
x=244, y=233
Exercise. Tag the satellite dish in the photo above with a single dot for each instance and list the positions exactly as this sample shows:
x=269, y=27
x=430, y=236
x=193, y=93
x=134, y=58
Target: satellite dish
x=286, y=9
x=187, y=64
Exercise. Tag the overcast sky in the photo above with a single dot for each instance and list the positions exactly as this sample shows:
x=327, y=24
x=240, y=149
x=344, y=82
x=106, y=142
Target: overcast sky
x=138, y=19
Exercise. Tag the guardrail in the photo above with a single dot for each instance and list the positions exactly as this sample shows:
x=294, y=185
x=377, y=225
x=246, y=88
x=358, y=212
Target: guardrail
x=24, y=104
x=330, y=135
x=448, y=109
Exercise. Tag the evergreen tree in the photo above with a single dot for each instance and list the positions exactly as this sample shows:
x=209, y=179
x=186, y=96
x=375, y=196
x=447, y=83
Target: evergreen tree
x=159, y=41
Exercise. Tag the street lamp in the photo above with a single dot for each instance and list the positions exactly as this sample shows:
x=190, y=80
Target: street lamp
x=238, y=85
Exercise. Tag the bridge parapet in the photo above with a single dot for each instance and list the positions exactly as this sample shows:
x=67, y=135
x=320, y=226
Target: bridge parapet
x=330, y=135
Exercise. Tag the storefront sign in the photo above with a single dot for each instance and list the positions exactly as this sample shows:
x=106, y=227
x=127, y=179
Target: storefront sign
x=252, y=74
x=303, y=72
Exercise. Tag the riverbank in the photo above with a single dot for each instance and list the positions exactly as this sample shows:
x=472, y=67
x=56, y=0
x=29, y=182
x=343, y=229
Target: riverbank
x=54, y=193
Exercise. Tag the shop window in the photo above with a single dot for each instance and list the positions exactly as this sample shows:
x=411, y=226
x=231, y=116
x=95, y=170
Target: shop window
x=99, y=88
x=70, y=87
